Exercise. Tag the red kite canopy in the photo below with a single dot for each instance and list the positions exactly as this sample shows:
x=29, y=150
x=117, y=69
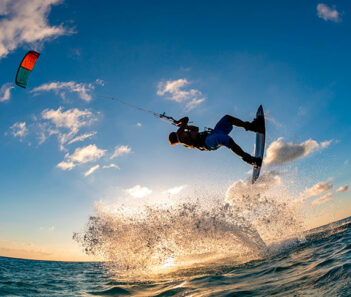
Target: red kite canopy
x=25, y=68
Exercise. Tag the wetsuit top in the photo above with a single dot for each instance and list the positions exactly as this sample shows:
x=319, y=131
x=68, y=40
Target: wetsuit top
x=200, y=141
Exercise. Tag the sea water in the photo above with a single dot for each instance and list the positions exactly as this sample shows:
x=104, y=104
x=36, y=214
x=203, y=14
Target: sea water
x=320, y=266
x=249, y=241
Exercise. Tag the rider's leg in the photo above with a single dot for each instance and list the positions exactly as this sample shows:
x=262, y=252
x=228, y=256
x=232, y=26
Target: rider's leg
x=243, y=155
x=237, y=122
x=248, y=126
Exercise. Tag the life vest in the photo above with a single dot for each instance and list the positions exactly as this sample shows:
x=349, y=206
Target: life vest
x=200, y=142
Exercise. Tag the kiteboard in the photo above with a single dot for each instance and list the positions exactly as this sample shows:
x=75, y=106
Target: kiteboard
x=260, y=141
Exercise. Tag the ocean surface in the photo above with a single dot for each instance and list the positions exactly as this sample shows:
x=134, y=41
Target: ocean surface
x=318, y=265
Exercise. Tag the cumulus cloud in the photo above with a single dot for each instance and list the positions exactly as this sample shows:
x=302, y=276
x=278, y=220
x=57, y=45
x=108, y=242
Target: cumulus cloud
x=80, y=156
x=112, y=165
x=317, y=189
x=280, y=152
x=328, y=13
x=121, y=150
x=82, y=89
x=176, y=190
x=72, y=119
x=241, y=189
x=66, y=124
x=91, y=170
x=66, y=165
x=343, y=189
x=174, y=90
x=26, y=21
x=322, y=199
x=138, y=191
x=19, y=129
x=5, y=91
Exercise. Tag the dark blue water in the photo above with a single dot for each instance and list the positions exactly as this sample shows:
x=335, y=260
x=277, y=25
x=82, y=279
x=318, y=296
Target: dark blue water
x=320, y=266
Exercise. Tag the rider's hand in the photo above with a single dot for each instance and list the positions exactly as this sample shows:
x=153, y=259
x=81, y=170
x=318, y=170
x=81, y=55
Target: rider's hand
x=184, y=120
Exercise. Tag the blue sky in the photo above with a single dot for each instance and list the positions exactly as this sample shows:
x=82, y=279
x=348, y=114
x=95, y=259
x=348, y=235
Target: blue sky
x=201, y=59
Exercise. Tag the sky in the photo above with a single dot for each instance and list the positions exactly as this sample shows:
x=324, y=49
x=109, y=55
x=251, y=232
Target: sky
x=66, y=147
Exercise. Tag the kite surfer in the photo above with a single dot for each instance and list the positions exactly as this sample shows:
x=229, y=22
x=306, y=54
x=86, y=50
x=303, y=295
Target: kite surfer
x=212, y=139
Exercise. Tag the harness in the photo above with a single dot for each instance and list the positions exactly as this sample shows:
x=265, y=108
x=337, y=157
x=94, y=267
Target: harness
x=200, y=142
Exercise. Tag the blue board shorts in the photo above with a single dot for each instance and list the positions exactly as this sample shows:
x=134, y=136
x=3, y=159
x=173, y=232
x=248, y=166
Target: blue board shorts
x=219, y=136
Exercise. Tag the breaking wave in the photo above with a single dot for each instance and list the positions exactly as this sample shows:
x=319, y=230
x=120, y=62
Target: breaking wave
x=239, y=227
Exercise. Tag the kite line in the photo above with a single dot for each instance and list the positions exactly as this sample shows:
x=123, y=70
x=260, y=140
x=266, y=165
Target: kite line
x=161, y=116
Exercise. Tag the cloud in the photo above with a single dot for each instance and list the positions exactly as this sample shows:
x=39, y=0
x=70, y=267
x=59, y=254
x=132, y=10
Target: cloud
x=322, y=199
x=5, y=91
x=81, y=137
x=100, y=82
x=80, y=156
x=121, y=150
x=27, y=250
x=138, y=191
x=26, y=21
x=66, y=124
x=325, y=144
x=272, y=120
x=82, y=89
x=317, y=189
x=176, y=190
x=66, y=165
x=19, y=129
x=112, y=165
x=175, y=92
x=343, y=189
x=266, y=181
x=327, y=13
x=280, y=152
x=193, y=103
x=92, y=170
x=50, y=229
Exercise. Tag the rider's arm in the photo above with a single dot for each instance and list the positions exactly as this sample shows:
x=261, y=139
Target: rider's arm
x=183, y=124
x=182, y=121
x=193, y=128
